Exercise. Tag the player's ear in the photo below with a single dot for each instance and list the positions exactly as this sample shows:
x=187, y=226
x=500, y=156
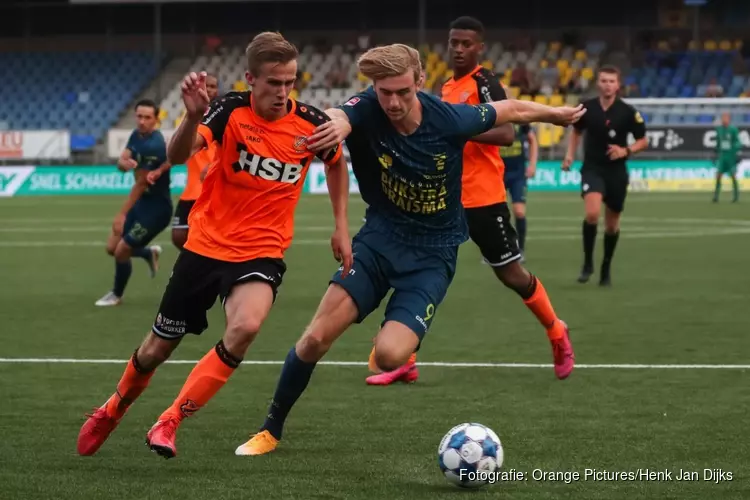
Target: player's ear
x=250, y=78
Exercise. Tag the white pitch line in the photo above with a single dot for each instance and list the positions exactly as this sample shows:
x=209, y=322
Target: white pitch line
x=297, y=242
x=609, y=366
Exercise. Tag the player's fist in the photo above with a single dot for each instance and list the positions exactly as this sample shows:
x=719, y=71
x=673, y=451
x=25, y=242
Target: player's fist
x=194, y=94
x=567, y=115
x=341, y=245
x=153, y=176
x=567, y=162
x=329, y=135
x=127, y=165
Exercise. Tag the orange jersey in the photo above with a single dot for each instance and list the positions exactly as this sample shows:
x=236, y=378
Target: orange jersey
x=200, y=160
x=483, y=168
x=246, y=208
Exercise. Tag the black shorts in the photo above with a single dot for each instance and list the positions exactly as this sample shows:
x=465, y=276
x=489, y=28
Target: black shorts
x=181, y=214
x=613, y=186
x=195, y=283
x=491, y=230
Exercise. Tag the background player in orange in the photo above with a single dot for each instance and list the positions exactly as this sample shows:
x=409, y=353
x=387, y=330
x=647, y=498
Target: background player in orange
x=484, y=198
x=196, y=165
x=242, y=223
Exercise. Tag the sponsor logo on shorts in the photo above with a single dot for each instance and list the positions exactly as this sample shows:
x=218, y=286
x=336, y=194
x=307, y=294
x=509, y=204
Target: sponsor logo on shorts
x=169, y=326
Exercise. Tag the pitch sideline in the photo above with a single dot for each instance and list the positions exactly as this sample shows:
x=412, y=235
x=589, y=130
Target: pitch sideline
x=606, y=366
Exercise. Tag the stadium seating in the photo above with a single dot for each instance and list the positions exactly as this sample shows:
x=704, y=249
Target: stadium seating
x=554, y=62
x=697, y=72
x=84, y=92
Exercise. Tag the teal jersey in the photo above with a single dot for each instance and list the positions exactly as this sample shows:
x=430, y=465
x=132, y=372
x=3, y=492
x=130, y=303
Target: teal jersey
x=150, y=151
x=727, y=143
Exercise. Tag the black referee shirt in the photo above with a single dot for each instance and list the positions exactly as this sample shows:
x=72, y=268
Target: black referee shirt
x=603, y=128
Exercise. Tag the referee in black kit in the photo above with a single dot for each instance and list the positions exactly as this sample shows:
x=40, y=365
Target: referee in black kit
x=604, y=175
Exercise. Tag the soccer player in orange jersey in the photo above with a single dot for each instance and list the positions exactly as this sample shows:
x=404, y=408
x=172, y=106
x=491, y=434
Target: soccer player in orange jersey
x=241, y=225
x=484, y=199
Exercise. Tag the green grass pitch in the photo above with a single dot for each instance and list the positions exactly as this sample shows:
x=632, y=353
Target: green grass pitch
x=680, y=297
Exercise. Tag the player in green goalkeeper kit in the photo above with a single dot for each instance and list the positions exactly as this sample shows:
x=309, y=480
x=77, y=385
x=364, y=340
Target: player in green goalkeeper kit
x=727, y=148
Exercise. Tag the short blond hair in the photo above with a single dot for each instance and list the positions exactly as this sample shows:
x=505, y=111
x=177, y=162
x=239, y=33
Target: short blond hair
x=390, y=60
x=266, y=47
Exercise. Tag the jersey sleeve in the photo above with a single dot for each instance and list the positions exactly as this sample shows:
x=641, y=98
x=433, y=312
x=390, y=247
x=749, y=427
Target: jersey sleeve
x=130, y=146
x=360, y=108
x=332, y=156
x=638, y=126
x=216, y=119
x=489, y=88
x=468, y=120
x=582, y=123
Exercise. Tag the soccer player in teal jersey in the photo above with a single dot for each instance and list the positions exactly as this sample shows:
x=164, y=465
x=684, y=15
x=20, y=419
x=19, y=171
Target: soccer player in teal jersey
x=406, y=148
x=148, y=209
x=728, y=147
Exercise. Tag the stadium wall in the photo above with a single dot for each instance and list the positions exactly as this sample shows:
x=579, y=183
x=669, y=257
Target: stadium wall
x=645, y=175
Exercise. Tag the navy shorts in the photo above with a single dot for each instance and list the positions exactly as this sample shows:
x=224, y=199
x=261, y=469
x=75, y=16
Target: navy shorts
x=515, y=184
x=144, y=222
x=419, y=277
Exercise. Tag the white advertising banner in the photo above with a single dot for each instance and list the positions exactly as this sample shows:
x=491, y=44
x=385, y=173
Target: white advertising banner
x=33, y=144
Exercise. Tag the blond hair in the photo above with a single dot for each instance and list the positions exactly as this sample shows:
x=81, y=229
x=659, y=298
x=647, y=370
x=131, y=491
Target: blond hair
x=266, y=47
x=390, y=60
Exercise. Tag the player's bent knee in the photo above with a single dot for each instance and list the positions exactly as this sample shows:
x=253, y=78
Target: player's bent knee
x=389, y=357
x=122, y=251
x=240, y=334
x=519, y=210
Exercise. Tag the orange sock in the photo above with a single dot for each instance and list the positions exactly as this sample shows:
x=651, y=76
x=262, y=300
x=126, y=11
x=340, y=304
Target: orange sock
x=412, y=358
x=132, y=384
x=541, y=306
x=208, y=376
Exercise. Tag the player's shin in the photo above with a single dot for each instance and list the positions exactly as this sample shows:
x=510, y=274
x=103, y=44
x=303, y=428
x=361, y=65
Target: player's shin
x=123, y=270
x=133, y=382
x=292, y=383
x=538, y=302
x=207, y=377
x=589, y=240
x=610, y=243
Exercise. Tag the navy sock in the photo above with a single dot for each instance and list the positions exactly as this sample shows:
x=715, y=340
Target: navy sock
x=143, y=253
x=589, y=239
x=123, y=270
x=293, y=380
x=521, y=230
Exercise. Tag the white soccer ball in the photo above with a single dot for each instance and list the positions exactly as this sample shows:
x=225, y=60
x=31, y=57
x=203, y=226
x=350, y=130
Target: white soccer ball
x=470, y=455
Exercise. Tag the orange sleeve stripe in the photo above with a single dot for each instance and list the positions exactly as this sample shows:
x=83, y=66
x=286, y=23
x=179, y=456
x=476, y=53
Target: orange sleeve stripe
x=337, y=156
x=206, y=133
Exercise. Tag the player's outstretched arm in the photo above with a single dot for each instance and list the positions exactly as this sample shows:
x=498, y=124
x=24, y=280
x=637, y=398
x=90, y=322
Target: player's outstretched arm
x=513, y=111
x=337, y=179
x=504, y=135
x=140, y=185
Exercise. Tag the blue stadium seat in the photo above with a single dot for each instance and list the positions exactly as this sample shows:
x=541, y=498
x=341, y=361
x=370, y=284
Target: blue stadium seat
x=112, y=80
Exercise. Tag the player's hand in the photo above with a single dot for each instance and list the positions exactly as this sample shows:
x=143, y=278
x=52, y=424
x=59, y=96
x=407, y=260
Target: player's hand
x=615, y=152
x=118, y=224
x=194, y=94
x=341, y=245
x=128, y=165
x=153, y=176
x=329, y=135
x=566, y=115
x=567, y=162
x=530, y=171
